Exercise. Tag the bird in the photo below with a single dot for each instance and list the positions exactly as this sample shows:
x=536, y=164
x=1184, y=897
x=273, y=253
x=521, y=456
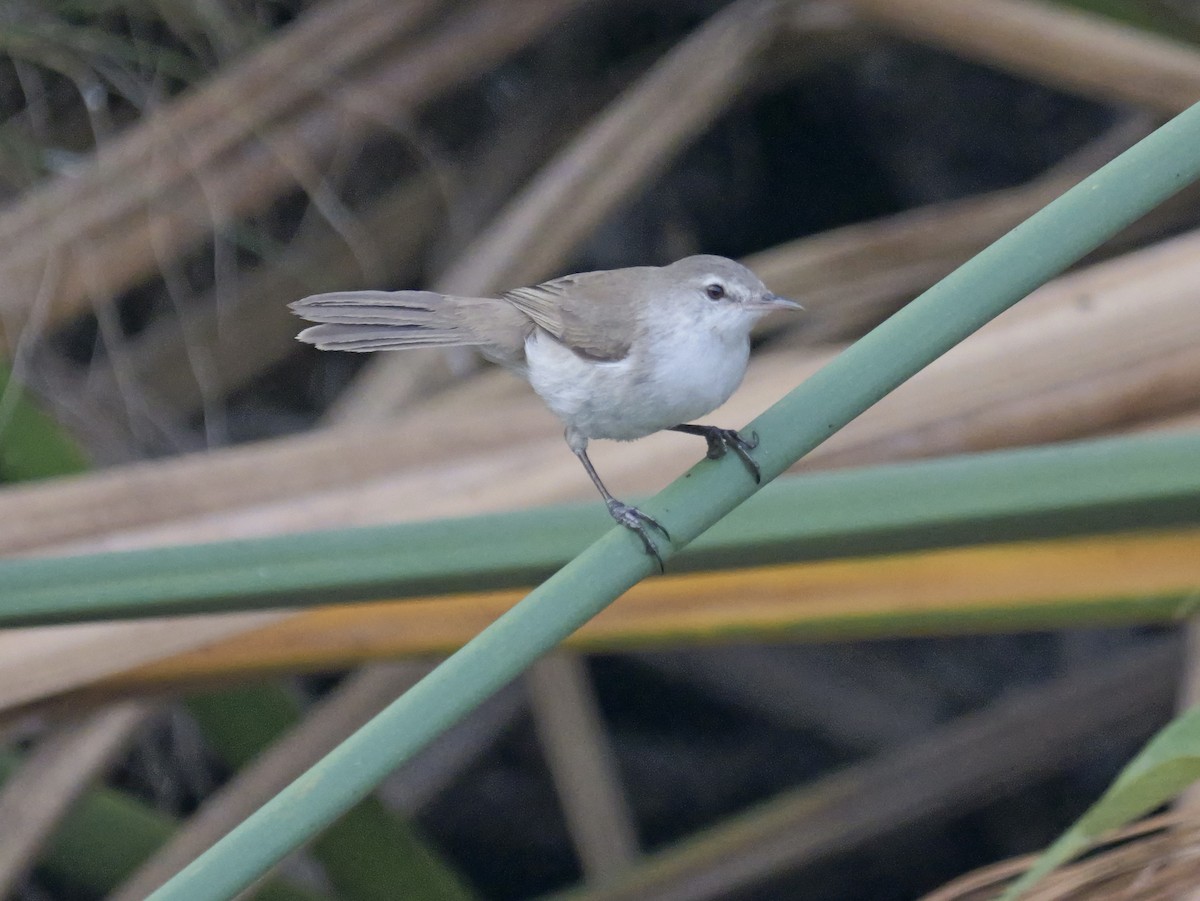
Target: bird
x=615, y=354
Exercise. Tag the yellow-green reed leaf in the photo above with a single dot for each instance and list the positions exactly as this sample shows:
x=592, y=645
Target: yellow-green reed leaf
x=1164, y=768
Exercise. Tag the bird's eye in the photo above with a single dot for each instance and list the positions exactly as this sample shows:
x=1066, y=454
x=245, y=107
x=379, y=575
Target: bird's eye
x=715, y=291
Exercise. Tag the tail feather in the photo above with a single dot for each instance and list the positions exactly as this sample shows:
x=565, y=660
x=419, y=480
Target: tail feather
x=393, y=320
x=381, y=320
x=354, y=337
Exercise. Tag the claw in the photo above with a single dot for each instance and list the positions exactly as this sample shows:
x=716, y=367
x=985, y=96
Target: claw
x=630, y=517
x=722, y=440
x=636, y=521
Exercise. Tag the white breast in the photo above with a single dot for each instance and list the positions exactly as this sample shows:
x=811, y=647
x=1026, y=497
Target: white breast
x=685, y=378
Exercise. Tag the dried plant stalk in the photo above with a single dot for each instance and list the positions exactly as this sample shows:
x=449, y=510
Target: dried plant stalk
x=1153, y=860
x=222, y=346
x=103, y=246
x=1065, y=48
x=39, y=662
x=582, y=763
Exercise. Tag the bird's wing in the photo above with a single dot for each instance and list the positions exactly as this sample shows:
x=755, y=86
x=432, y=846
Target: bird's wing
x=579, y=311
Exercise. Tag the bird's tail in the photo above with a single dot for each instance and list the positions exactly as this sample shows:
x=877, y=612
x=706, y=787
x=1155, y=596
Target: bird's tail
x=386, y=320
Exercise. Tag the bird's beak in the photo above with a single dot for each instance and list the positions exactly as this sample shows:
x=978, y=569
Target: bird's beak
x=768, y=302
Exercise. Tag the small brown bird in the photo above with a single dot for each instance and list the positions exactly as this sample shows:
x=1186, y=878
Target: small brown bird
x=615, y=354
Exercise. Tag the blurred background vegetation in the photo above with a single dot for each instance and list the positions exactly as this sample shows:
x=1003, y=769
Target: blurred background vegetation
x=172, y=174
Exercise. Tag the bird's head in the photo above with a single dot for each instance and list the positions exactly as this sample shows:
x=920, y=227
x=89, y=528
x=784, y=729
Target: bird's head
x=723, y=290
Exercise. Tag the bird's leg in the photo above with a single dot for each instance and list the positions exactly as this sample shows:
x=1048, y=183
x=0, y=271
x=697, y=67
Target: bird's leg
x=629, y=516
x=722, y=440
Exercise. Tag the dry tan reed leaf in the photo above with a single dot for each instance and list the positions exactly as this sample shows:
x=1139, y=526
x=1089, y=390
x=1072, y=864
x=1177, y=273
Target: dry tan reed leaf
x=35, y=663
x=39, y=516
x=182, y=146
x=582, y=764
x=1153, y=860
x=283, y=74
x=622, y=147
x=1087, y=353
x=851, y=277
x=103, y=245
x=184, y=364
x=1086, y=53
x=1185, y=421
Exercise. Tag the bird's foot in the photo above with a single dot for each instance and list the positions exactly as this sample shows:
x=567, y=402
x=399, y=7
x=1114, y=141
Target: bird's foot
x=639, y=523
x=720, y=441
